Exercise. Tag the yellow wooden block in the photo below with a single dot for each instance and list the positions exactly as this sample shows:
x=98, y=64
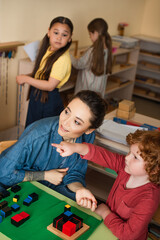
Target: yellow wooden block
x=126, y=105
x=125, y=114
x=15, y=200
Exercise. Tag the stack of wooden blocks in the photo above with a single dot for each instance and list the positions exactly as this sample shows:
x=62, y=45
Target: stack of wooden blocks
x=126, y=109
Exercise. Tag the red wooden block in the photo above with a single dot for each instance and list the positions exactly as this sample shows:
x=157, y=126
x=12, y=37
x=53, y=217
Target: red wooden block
x=69, y=228
x=24, y=215
x=17, y=218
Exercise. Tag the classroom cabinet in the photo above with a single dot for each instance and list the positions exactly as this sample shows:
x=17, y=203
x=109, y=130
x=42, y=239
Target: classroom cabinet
x=120, y=83
x=147, y=82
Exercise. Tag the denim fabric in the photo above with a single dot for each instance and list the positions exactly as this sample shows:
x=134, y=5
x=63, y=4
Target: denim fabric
x=38, y=110
x=33, y=152
x=61, y=189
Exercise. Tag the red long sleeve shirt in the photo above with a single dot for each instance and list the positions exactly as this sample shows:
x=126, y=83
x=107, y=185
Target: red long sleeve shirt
x=131, y=209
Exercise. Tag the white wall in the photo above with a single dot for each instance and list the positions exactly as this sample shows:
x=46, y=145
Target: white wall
x=28, y=20
x=151, y=18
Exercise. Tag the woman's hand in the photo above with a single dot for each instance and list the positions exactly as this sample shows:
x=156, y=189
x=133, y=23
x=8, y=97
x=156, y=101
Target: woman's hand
x=103, y=210
x=64, y=148
x=55, y=176
x=85, y=199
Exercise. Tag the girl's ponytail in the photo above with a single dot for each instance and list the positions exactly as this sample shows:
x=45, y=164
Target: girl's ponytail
x=97, y=63
x=108, y=42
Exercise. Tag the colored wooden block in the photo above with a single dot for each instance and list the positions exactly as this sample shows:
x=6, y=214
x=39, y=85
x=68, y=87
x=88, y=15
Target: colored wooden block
x=67, y=215
x=64, y=236
x=20, y=218
x=0, y=218
x=15, y=188
x=27, y=201
x=5, y=193
x=67, y=207
x=126, y=105
x=6, y=211
x=33, y=197
x=55, y=220
x=3, y=204
x=17, y=220
x=60, y=223
x=125, y=114
x=68, y=224
x=15, y=207
x=16, y=198
x=69, y=228
x=77, y=221
x=25, y=215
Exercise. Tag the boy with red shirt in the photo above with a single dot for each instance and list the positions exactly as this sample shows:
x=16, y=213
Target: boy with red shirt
x=135, y=195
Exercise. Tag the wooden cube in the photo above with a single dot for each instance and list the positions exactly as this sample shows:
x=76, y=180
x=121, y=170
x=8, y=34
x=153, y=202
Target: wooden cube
x=125, y=114
x=126, y=105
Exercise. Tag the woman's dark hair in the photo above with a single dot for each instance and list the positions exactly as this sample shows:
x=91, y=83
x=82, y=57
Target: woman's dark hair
x=45, y=73
x=97, y=62
x=97, y=105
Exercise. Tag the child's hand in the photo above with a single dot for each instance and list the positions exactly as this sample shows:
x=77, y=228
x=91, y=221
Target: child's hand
x=85, y=199
x=103, y=210
x=64, y=148
x=55, y=176
x=21, y=79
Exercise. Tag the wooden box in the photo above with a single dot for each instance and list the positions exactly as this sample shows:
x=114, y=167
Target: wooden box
x=125, y=114
x=126, y=105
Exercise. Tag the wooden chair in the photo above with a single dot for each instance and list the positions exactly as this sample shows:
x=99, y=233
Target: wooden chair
x=6, y=144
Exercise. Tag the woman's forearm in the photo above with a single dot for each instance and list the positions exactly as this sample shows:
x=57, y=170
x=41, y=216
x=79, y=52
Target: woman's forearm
x=33, y=176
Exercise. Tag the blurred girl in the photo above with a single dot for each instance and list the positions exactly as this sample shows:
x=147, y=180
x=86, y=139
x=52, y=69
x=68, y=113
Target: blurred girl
x=96, y=63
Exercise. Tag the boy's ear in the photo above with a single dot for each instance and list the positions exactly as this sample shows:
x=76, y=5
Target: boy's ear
x=89, y=131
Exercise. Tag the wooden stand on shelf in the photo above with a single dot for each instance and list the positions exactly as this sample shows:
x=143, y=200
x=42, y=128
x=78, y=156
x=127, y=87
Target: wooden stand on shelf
x=121, y=82
x=147, y=82
x=10, y=46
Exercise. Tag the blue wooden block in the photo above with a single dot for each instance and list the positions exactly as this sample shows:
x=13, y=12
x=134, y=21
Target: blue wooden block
x=15, y=207
x=27, y=201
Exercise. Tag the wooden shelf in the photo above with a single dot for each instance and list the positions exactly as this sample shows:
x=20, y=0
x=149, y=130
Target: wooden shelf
x=140, y=67
x=148, y=68
x=10, y=46
x=149, y=55
x=147, y=83
x=118, y=68
x=148, y=38
x=146, y=96
x=119, y=87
